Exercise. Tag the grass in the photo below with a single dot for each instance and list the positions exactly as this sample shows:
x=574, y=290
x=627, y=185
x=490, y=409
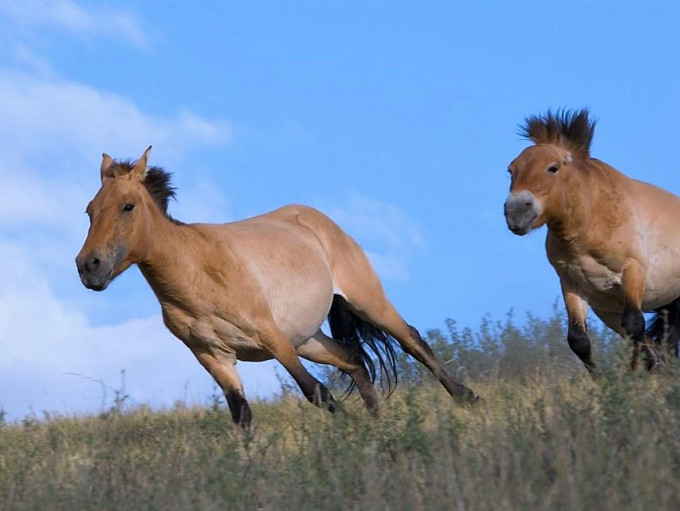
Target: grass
x=552, y=440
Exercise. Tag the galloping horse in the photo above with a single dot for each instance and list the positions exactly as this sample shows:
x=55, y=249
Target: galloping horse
x=251, y=290
x=613, y=241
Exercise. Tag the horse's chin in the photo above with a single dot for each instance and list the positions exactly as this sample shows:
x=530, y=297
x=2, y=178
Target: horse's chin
x=523, y=226
x=98, y=284
x=521, y=231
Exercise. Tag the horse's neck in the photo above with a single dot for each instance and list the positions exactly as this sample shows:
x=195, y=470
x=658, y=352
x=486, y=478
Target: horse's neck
x=170, y=261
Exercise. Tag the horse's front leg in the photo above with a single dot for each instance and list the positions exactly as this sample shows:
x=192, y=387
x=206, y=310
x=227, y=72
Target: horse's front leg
x=632, y=319
x=577, y=334
x=222, y=367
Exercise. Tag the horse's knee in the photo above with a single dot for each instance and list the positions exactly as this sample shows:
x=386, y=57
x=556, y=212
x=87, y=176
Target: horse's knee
x=579, y=342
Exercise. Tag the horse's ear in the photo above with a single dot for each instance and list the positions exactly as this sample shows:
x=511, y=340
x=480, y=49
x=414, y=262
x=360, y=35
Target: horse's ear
x=139, y=169
x=107, y=167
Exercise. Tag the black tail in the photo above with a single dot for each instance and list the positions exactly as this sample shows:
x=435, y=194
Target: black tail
x=358, y=334
x=665, y=326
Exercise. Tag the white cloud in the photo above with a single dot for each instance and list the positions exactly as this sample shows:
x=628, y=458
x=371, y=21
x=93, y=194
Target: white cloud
x=72, y=18
x=28, y=199
x=384, y=231
x=77, y=120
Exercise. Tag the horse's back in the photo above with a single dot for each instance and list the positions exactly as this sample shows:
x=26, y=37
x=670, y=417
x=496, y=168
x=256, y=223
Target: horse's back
x=299, y=246
x=658, y=208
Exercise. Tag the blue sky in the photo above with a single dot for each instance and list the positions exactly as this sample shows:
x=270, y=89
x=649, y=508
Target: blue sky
x=398, y=119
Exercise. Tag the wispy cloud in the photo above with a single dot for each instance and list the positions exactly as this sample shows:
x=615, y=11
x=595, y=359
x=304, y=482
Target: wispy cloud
x=73, y=118
x=75, y=19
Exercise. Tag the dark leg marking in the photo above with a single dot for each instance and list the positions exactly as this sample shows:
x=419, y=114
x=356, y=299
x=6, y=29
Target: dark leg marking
x=239, y=408
x=633, y=323
x=579, y=342
x=319, y=395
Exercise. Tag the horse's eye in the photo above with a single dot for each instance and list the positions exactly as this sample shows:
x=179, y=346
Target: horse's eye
x=128, y=207
x=553, y=169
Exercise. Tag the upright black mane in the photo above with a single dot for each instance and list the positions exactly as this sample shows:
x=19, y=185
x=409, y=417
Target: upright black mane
x=570, y=129
x=157, y=183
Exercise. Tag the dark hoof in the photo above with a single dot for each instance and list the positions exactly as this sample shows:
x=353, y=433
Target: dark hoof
x=474, y=401
x=655, y=366
x=653, y=362
x=468, y=398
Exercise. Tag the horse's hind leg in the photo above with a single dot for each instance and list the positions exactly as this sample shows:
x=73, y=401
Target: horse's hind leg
x=381, y=313
x=361, y=288
x=631, y=325
x=411, y=341
x=282, y=349
x=325, y=350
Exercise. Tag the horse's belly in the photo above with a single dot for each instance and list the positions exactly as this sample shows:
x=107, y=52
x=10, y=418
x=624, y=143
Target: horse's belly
x=662, y=241
x=662, y=288
x=301, y=311
x=218, y=334
x=295, y=279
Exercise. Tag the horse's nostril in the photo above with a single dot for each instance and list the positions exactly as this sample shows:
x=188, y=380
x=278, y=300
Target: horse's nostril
x=528, y=204
x=92, y=264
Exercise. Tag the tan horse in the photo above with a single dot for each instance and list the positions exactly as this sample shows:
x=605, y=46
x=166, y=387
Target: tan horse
x=613, y=241
x=251, y=290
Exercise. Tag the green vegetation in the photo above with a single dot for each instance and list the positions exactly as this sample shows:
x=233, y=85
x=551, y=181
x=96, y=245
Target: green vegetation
x=548, y=436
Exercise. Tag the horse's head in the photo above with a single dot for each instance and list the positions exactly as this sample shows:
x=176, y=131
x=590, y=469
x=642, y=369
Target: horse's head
x=119, y=228
x=537, y=181
x=543, y=174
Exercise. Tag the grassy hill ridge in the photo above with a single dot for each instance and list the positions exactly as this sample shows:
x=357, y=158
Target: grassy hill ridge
x=548, y=436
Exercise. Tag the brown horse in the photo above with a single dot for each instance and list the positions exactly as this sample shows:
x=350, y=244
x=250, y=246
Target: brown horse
x=251, y=290
x=613, y=241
